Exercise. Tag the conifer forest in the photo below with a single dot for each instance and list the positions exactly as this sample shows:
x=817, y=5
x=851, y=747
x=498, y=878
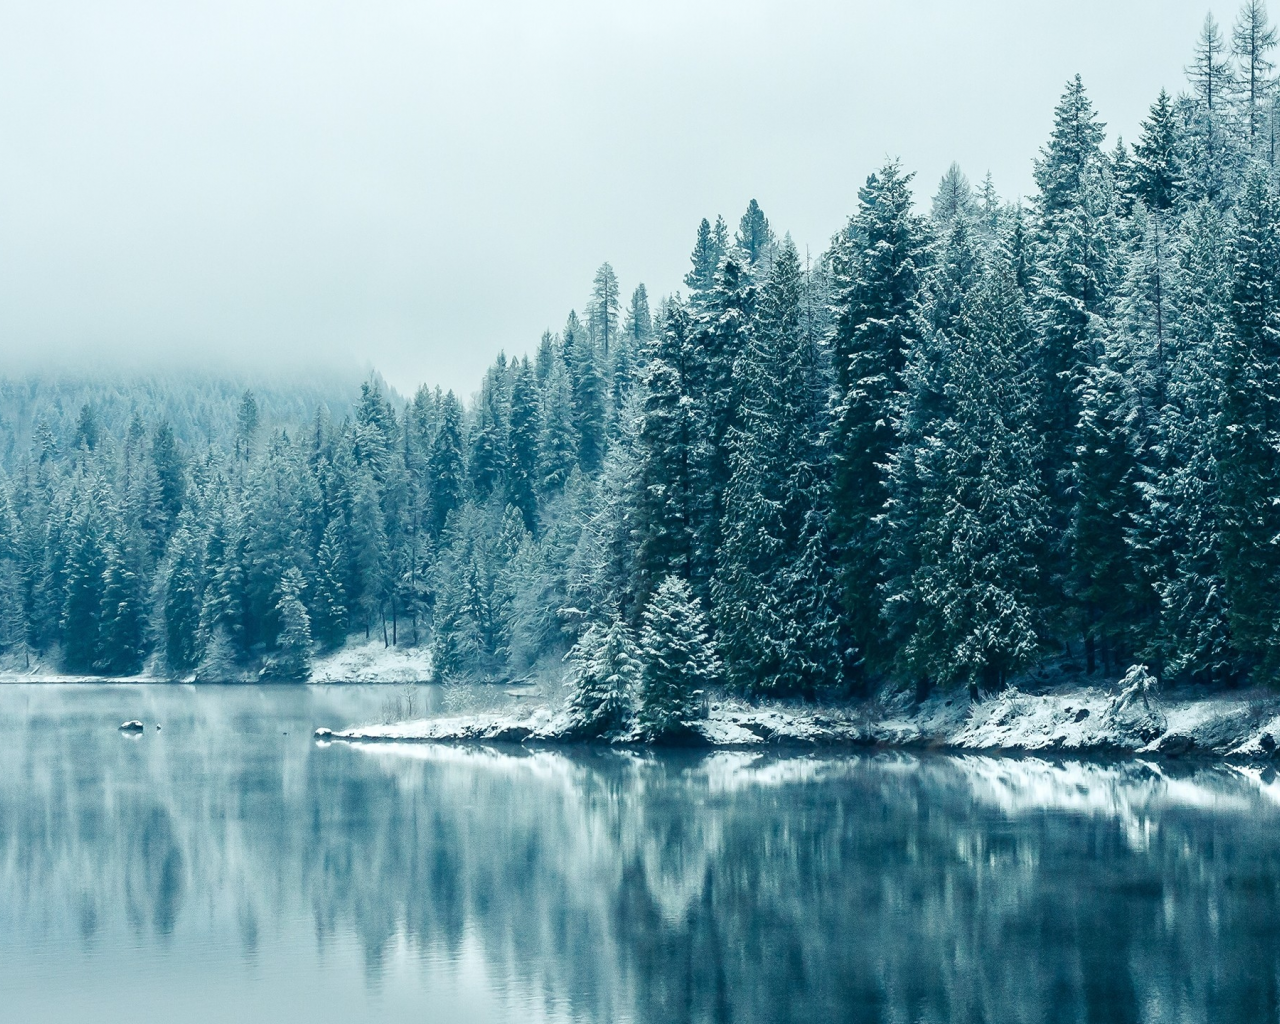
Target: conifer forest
x=971, y=438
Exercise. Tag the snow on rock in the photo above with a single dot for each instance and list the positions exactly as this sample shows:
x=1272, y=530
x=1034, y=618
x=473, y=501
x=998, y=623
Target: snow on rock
x=372, y=662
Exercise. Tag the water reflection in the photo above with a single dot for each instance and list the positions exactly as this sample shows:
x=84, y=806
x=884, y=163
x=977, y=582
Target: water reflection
x=229, y=866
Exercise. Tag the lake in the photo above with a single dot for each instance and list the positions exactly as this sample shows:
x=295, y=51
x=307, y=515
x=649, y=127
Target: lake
x=229, y=868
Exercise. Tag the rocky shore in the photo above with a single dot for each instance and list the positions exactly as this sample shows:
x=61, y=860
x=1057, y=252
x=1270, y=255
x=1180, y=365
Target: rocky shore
x=1129, y=718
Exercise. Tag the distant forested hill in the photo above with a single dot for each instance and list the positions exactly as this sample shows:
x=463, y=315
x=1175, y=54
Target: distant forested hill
x=201, y=407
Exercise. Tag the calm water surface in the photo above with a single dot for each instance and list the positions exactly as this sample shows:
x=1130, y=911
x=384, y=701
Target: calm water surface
x=228, y=868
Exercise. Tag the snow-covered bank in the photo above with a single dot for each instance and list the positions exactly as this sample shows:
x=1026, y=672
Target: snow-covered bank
x=1241, y=726
x=361, y=661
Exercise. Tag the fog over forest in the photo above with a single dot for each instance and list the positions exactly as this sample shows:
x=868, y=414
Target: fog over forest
x=954, y=447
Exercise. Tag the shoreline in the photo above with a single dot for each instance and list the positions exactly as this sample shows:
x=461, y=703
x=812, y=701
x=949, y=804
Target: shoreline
x=1242, y=727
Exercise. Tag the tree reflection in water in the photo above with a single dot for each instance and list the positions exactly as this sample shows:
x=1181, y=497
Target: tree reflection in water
x=605, y=886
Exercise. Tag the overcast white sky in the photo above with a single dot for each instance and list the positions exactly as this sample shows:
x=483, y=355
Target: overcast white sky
x=418, y=185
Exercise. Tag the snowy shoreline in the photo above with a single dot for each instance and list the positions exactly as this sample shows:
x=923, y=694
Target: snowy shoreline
x=1243, y=726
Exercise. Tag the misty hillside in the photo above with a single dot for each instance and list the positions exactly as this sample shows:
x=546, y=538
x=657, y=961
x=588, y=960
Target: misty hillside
x=200, y=406
x=955, y=447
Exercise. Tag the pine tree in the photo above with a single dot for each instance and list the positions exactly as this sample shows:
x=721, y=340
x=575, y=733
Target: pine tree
x=968, y=513
x=1181, y=533
x=522, y=471
x=329, y=607
x=877, y=265
x=954, y=198
x=1249, y=427
x=1158, y=177
x=1252, y=39
x=669, y=502
x=124, y=614
x=181, y=607
x=677, y=661
x=588, y=391
x=705, y=258
x=489, y=451
x=558, y=439
x=774, y=594
x=82, y=608
x=604, y=679
x=293, y=644
x=754, y=236
x=445, y=472
x=604, y=310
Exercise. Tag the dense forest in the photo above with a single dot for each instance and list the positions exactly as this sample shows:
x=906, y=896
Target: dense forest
x=952, y=447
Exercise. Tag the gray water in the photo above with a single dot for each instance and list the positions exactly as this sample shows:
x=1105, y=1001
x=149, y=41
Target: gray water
x=229, y=868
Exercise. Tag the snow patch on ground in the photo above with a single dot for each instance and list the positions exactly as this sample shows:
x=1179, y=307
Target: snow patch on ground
x=372, y=662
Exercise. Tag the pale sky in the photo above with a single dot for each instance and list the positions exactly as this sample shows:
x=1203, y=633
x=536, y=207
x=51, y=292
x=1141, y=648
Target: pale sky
x=419, y=185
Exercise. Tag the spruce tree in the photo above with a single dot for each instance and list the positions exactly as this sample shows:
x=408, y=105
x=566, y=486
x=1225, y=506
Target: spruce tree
x=522, y=470
x=604, y=681
x=773, y=592
x=1249, y=427
x=604, y=310
x=705, y=258
x=82, y=606
x=967, y=600
x=124, y=613
x=677, y=661
x=754, y=236
x=558, y=437
x=329, y=599
x=446, y=466
x=877, y=265
x=293, y=644
x=181, y=608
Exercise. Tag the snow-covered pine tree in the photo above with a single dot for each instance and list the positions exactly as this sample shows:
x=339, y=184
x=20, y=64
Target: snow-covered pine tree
x=678, y=662
x=293, y=643
x=446, y=466
x=558, y=440
x=603, y=311
x=604, y=679
x=82, y=605
x=124, y=613
x=1180, y=526
x=1248, y=436
x=877, y=262
x=754, y=236
x=774, y=596
x=329, y=617
x=669, y=495
x=182, y=600
x=705, y=258
x=522, y=472
x=979, y=517
x=588, y=395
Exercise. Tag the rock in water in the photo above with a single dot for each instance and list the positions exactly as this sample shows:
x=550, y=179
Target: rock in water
x=134, y=726
x=323, y=734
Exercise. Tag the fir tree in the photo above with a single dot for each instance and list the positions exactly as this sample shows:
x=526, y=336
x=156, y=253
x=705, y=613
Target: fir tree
x=522, y=471
x=604, y=309
x=604, y=678
x=677, y=659
x=1249, y=426
x=445, y=473
x=181, y=607
x=329, y=607
x=754, y=236
x=878, y=261
x=774, y=595
x=293, y=644
x=82, y=607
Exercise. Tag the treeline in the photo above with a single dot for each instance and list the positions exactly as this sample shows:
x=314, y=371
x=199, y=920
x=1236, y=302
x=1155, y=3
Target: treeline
x=950, y=448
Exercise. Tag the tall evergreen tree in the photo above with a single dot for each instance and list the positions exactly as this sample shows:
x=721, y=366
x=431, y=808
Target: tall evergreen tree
x=774, y=594
x=877, y=266
x=677, y=660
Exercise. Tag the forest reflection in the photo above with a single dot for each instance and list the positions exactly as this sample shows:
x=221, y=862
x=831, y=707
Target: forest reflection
x=622, y=886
